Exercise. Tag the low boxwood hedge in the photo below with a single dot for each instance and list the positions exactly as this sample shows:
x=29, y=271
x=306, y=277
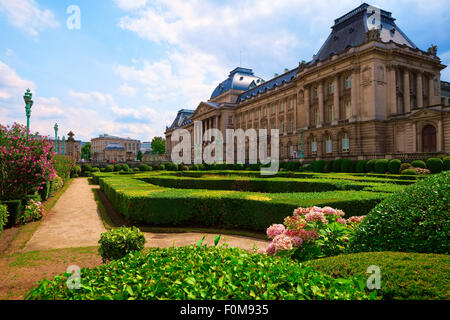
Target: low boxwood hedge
x=416, y=219
x=404, y=276
x=145, y=203
x=381, y=166
x=200, y=273
x=3, y=217
x=14, y=208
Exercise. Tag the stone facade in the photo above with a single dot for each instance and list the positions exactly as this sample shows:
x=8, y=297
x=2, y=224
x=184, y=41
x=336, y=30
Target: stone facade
x=99, y=146
x=368, y=93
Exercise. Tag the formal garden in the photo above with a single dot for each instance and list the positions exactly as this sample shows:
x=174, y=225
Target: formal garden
x=325, y=225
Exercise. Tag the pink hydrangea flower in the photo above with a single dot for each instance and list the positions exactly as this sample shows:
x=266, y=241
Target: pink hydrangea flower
x=315, y=216
x=275, y=230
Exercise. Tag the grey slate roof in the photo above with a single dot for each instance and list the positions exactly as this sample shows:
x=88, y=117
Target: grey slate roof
x=238, y=79
x=183, y=118
x=350, y=31
x=114, y=146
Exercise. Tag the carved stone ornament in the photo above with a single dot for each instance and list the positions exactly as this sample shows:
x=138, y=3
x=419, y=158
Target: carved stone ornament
x=373, y=35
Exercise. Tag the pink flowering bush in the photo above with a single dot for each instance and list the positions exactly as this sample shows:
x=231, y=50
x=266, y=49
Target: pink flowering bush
x=26, y=162
x=33, y=212
x=312, y=233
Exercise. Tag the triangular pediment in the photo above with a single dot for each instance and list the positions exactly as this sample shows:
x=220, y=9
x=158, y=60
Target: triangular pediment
x=424, y=113
x=204, y=107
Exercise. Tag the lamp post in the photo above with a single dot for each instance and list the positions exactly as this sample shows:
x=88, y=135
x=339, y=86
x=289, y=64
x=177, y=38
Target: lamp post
x=301, y=145
x=56, y=137
x=28, y=98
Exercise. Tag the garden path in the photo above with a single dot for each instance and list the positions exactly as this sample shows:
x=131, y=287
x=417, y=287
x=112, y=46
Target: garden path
x=75, y=222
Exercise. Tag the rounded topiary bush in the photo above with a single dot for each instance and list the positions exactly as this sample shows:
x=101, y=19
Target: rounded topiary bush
x=409, y=172
x=109, y=168
x=418, y=164
x=156, y=167
x=162, y=167
x=195, y=167
x=337, y=165
x=95, y=169
x=347, y=166
x=361, y=166
x=328, y=166
x=435, y=165
x=394, y=166
x=318, y=166
x=416, y=219
x=125, y=167
x=381, y=166
x=446, y=163
x=143, y=167
x=239, y=166
x=136, y=169
x=370, y=166
x=117, y=243
x=405, y=166
x=117, y=167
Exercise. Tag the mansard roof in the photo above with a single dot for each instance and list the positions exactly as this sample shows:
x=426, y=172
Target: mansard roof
x=350, y=31
x=269, y=85
x=238, y=79
x=183, y=118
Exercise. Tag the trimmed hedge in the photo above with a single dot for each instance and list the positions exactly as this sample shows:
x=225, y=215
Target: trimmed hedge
x=381, y=166
x=405, y=276
x=144, y=203
x=347, y=166
x=361, y=166
x=337, y=165
x=446, y=163
x=418, y=164
x=370, y=165
x=409, y=172
x=117, y=243
x=318, y=166
x=3, y=217
x=394, y=166
x=14, y=211
x=435, y=165
x=201, y=273
x=109, y=168
x=416, y=219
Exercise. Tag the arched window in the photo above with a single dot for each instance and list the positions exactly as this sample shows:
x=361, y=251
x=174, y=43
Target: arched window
x=345, y=143
x=314, y=145
x=329, y=145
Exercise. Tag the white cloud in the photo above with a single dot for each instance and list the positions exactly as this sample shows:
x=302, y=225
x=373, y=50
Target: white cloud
x=127, y=90
x=445, y=74
x=131, y=4
x=26, y=15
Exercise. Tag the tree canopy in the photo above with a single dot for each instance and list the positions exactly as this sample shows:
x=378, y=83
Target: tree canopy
x=158, y=145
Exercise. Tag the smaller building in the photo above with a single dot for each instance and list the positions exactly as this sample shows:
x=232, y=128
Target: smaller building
x=146, y=146
x=121, y=149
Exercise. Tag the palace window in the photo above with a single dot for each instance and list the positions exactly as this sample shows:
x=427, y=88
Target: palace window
x=329, y=145
x=264, y=111
x=348, y=82
x=273, y=108
x=282, y=106
x=316, y=116
x=331, y=87
x=314, y=145
x=291, y=124
x=291, y=104
x=345, y=143
x=316, y=92
x=330, y=113
x=348, y=109
x=281, y=126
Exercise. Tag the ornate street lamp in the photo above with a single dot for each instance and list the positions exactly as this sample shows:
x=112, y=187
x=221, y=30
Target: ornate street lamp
x=28, y=98
x=63, y=145
x=302, y=156
x=56, y=138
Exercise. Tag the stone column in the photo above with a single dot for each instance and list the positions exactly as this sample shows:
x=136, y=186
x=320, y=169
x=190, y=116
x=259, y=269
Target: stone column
x=419, y=90
x=277, y=115
x=286, y=125
x=414, y=137
x=307, y=107
x=439, y=137
x=336, y=107
x=354, y=95
x=321, y=113
x=406, y=92
x=393, y=90
x=295, y=113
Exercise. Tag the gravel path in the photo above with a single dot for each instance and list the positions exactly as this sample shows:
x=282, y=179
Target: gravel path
x=75, y=222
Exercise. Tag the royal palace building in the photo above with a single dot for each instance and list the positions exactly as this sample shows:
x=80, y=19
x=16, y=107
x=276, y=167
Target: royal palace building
x=369, y=92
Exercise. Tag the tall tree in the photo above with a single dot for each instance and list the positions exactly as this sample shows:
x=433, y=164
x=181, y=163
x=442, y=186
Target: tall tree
x=86, y=151
x=158, y=145
x=139, y=155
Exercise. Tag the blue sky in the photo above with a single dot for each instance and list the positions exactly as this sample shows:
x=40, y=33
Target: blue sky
x=134, y=63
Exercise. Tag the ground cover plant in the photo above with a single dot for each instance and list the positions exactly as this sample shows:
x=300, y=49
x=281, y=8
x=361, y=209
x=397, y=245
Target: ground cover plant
x=144, y=203
x=416, y=219
x=213, y=273
x=117, y=243
x=406, y=276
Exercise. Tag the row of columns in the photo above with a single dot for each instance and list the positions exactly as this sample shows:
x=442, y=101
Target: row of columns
x=336, y=98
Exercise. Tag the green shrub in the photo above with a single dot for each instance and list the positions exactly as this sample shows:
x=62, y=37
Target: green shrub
x=337, y=165
x=239, y=166
x=95, y=169
x=254, y=167
x=102, y=169
x=162, y=167
x=419, y=164
x=446, y=163
x=199, y=273
x=3, y=217
x=293, y=165
x=46, y=191
x=328, y=167
x=394, y=166
x=409, y=172
x=136, y=169
x=156, y=167
x=125, y=167
x=361, y=166
x=405, y=166
x=318, y=166
x=370, y=165
x=64, y=166
x=404, y=276
x=109, y=168
x=195, y=167
x=184, y=168
x=381, y=166
x=76, y=171
x=14, y=208
x=416, y=219
x=117, y=243
x=435, y=165
x=347, y=166
x=117, y=167
x=86, y=168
